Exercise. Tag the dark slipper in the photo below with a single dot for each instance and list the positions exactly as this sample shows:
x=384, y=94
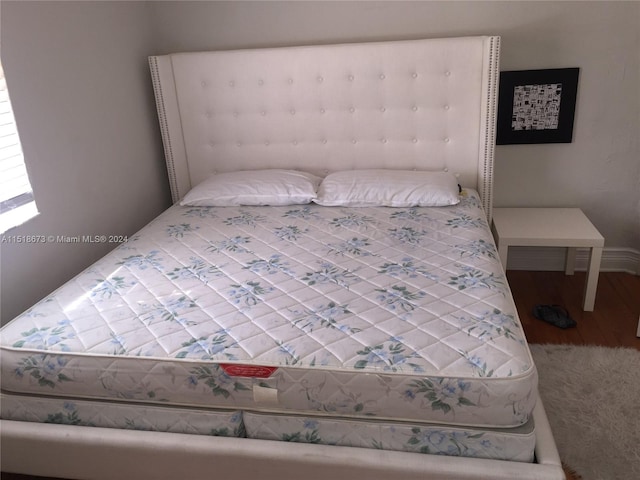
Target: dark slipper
x=555, y=315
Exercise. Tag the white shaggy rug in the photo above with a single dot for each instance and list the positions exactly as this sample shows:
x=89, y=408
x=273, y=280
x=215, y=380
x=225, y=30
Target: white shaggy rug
x=592, y=398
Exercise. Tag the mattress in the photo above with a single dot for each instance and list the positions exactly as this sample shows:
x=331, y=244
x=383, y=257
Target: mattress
x=392, y=314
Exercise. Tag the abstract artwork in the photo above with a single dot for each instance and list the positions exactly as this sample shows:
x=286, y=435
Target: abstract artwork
x=537, y=106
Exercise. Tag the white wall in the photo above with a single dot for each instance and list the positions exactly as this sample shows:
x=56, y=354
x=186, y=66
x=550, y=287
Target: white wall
x=78, y=78
x=599, y=171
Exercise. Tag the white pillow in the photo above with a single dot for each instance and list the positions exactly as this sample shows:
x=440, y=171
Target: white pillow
x=254, y=187
x=390, y=188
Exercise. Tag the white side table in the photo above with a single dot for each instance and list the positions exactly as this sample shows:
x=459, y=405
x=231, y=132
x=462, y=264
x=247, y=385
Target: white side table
x=551, y=227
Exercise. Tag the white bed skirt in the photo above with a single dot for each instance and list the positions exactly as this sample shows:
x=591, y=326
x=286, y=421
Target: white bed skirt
x=104, y=454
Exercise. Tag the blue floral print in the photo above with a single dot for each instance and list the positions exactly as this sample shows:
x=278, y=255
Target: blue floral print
x=245, y=218
x=391, y=355
x=330, y=273
x=325, y=316
x=217, y=346
x=354, y=246
x=413, y=214
x=233, y=244
x=45, y=337
x=351, y=220
x=304, y=213
x=275, y=264
x=399, y=299
x=48, y=370
x=407, y=268
x=142, y=262
x=477, y=249
x=474, y=278
x=198, y=268
x=173, y=311
x=466, y=221
x=179, y=231
x=200, y=212
x=440, y=442
x=407, y=235
x=290, y=233
x=217, y=383
x=442, y=393
x=247, y=294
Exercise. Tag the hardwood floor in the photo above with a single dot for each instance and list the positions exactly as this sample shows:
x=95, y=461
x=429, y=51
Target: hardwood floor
x=613, y=322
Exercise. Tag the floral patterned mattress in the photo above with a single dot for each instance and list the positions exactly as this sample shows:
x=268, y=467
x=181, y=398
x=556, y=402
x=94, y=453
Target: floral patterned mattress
x=310, y=312
x=512, y=444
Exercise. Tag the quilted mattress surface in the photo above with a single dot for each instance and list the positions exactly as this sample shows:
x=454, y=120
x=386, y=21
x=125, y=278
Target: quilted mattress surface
x=394, y=313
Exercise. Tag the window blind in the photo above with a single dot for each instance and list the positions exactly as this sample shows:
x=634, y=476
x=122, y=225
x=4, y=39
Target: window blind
x=15, y=189
x=17, y=204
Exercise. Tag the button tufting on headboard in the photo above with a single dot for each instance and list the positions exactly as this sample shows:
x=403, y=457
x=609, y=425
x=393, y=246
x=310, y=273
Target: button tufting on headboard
x=331, y=107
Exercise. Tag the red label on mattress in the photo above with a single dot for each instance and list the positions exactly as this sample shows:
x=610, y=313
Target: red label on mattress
x=255, y=371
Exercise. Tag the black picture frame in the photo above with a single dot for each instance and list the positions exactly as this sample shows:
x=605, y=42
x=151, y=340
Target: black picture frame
x=552, y=91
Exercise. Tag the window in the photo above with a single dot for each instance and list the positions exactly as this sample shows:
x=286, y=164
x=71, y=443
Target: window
x=17, y=204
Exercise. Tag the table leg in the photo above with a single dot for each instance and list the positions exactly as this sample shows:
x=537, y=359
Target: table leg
x=503, y=252
x=570, y=261
x=591, y=284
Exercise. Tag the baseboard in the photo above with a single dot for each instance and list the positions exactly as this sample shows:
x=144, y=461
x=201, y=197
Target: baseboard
x=553, y=259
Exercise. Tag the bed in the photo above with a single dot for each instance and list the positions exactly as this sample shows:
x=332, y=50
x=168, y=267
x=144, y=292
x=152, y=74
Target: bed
x=307, y=306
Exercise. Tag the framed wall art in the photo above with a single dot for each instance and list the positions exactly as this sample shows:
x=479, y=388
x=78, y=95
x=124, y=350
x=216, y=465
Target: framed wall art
x=537, y=106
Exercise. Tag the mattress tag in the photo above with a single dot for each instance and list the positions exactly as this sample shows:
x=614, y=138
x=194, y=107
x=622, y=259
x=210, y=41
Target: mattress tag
x=265, y=395
x=251, y=371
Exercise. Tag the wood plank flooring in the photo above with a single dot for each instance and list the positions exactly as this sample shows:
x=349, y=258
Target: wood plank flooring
x=613, y=322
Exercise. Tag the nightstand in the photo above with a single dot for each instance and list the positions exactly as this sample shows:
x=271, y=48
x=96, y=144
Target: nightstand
x=551, y=227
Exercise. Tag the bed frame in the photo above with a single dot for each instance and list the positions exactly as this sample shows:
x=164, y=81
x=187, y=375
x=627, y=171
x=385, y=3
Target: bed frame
x=417, y=104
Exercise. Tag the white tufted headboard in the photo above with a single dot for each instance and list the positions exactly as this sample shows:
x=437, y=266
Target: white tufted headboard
x=417, y=104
